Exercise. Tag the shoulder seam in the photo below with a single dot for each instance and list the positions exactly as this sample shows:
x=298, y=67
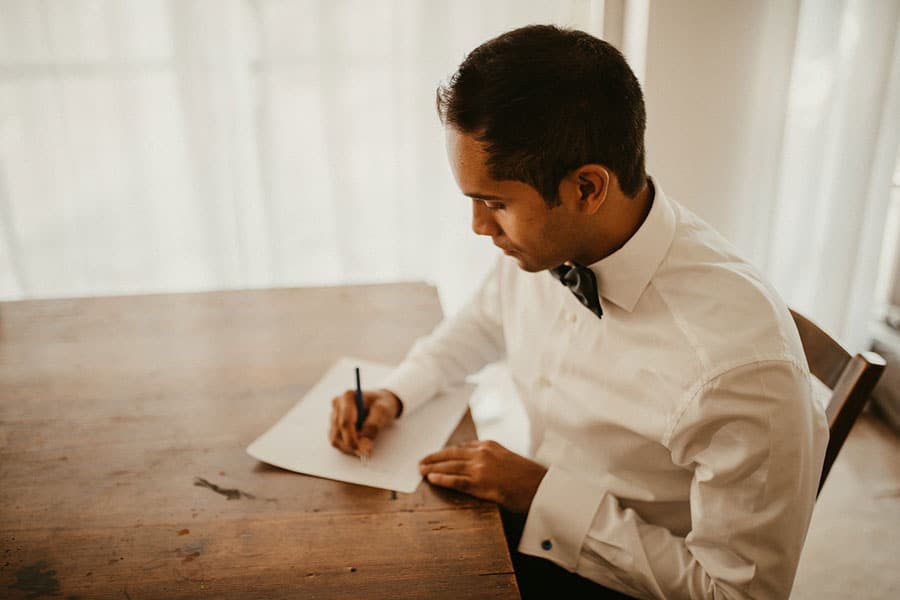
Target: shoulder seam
x=704, y=383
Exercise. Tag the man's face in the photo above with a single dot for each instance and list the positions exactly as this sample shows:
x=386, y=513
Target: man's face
x=512, y=213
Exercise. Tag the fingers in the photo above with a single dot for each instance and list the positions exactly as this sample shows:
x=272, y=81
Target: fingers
x=456, y=482
x=380, y=413
x=449, y=467
x=343, y=433
x=370, y=397
x=487, y=470
x=347, y=420
x=364, y=448
x=471, y=468
x=338, y=440
x=451, y=453
x=378, y=418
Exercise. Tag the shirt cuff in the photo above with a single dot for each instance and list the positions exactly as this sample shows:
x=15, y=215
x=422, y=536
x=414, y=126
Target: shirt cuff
x=560, y=517
x=413, y=385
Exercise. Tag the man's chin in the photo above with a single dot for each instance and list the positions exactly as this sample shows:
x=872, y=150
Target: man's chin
x=527, y=266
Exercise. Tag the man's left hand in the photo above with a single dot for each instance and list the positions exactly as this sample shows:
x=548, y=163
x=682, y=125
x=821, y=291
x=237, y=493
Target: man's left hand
x=485, y=469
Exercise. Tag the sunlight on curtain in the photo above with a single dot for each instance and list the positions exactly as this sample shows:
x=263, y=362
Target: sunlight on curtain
x=187, y=145
x=841, y=136
x=155, y=146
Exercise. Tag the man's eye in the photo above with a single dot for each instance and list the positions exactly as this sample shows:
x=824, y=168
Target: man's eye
x=494, y=205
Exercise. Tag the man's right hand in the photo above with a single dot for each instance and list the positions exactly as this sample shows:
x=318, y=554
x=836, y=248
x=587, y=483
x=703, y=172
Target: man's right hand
x=382, y=409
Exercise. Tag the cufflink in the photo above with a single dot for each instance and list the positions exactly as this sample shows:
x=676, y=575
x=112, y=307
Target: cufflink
x=546, y=544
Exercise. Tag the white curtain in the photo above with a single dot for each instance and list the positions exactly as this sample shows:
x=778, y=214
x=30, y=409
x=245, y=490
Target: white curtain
x=840, y=147
x=182, y=145
x=778, y=122
x=155, y=146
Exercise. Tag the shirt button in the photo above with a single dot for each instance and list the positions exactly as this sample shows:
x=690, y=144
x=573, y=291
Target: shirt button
x=571, y=317
x=547, y=545
x=543, y=382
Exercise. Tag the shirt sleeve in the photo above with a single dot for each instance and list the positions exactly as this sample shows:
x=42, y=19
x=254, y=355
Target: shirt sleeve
x=755, y=440
x=458, y=347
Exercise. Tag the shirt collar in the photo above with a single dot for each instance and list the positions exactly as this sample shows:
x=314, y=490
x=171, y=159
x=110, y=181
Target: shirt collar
x=623, y=275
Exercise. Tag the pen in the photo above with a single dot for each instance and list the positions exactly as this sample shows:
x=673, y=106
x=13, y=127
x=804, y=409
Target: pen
x=360, y=411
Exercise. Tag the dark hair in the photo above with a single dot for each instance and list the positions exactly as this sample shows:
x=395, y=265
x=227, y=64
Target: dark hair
x=546, y=101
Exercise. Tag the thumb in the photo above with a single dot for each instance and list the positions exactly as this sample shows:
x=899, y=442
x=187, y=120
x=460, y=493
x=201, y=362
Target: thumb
x=374, y=423
x=377, y=419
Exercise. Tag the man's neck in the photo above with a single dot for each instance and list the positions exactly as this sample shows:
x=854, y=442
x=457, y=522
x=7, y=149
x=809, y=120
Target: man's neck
x=621, y=220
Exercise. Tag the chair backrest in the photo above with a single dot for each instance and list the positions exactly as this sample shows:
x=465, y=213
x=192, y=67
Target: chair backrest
x=851, y=380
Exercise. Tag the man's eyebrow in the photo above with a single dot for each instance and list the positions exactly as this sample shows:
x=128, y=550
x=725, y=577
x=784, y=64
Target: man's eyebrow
x=479, y=196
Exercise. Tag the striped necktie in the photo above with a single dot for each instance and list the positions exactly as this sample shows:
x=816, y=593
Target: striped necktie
x=582, y=282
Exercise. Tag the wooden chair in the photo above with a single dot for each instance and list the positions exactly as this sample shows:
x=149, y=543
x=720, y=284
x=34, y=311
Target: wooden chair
x=850, y=378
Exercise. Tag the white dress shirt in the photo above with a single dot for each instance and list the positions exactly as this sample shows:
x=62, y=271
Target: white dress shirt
x=682, y=442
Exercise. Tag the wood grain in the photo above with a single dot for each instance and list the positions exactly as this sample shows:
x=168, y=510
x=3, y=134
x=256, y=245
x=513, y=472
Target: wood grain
x=111, y=408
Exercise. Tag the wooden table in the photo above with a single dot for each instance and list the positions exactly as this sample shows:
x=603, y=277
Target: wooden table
x=112, y=408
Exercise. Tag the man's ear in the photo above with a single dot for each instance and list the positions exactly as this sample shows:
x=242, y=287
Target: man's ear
x=592, y=183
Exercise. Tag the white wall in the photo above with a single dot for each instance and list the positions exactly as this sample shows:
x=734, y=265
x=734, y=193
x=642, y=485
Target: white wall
x=713, y=144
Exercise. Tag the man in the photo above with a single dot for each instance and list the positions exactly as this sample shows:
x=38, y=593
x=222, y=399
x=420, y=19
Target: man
x=676, y=448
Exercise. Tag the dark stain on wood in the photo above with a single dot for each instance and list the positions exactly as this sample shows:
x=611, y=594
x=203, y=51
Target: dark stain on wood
x=184, y=531
x=231, y=494
x=37, y=580
x=393, y=494
x=189, y=552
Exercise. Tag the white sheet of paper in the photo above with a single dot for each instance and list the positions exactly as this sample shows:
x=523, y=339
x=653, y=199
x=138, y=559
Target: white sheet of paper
x=299, y=441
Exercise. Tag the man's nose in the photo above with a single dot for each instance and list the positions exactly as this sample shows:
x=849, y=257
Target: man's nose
x=483, y=222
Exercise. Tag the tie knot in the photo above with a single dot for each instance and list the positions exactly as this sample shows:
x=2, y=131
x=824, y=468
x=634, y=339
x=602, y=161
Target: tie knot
x=583, y=284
